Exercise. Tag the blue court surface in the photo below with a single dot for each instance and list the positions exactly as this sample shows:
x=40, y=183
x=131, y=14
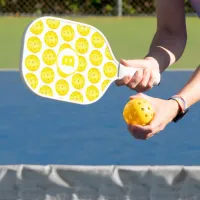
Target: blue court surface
x=34, y=130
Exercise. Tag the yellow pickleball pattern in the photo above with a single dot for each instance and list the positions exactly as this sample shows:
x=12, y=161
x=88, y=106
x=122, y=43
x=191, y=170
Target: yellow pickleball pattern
x=51, y=39
x=105, y=84
x=110, y=70
x=96, y=57
x=78, y=81
x=62, y=87
x=94, y=75
x=82, y=45
x=53, y=23
x=46, y=90
x=67, y=33
x=108, y=54
x=37, y=28
x=97, y=40
x=49, y=57
x=82, y=64
x=61, y=73
x=34, y=44
x=64, y=46
x=32, y=63
x=56, y=48
x=68, y=61
x=47, y=75
x=92, y=93
x=83, y=30
x=76, y=97
x=32, y=80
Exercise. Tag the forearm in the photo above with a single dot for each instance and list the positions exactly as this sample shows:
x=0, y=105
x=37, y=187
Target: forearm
x=191, y=91
x=166, y=48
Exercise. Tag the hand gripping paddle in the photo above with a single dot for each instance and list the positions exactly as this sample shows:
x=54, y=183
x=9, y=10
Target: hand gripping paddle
x=69, y=61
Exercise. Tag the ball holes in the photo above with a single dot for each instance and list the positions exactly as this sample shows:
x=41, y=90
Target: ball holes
x=146, y=115
x=142, y=109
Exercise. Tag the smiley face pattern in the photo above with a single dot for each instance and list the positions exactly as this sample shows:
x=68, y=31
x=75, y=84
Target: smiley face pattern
x=67, y=61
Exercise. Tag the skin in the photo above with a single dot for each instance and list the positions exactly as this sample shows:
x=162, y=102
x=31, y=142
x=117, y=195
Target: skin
x=167, y=47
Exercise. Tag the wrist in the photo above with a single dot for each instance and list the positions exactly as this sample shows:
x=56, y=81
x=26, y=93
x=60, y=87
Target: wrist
x=163, y=56
x=182, y=107
x=155, y=63
x=155, y=68
x=175, y=107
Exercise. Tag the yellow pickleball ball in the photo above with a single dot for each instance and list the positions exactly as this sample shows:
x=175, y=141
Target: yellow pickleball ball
x=53, y=23
x=105, y=84
x=83, y=30
x=37, y=27
x=32, y=63
x=97, y=40
x=94, y=75
x=82, y=45
x=62, y=87
x=76, y=97
x=67, y=33
x=64, y=46
x=110, y=70
x=78, y=81
x=32, y=80
x=82, y=64
x=49, y=57
x=45, y=90
x=47, y=75
x=96, y=58
x=51, y=39
x=92, y=93
x=138, y=111
x=34, y=44
x=108, y=54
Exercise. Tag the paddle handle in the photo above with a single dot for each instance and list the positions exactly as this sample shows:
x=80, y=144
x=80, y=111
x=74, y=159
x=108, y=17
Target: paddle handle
x=130, y=71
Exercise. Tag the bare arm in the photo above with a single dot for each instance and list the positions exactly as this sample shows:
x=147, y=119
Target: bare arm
x=191, y=90
x=170, y=38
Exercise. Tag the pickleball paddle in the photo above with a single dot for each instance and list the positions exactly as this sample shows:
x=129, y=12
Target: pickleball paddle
x=69, y=61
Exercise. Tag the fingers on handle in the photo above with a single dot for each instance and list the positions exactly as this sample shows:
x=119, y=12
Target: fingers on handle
x=124, y=81
x=135, y=80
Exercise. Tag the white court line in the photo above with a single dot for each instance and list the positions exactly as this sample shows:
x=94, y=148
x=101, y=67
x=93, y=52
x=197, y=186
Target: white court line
x=178, y=70
x=8, y=70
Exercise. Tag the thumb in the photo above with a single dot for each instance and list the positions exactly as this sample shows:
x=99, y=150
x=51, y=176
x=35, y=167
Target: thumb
x=124, y=62
x=134, y=63
x=151, y=100
x=156, y=122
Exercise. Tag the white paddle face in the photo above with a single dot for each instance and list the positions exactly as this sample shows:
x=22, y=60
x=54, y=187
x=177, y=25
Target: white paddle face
x=67, y=61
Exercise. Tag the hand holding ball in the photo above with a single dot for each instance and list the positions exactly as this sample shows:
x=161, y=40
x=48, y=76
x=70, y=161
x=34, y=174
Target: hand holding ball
x=138, y=111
